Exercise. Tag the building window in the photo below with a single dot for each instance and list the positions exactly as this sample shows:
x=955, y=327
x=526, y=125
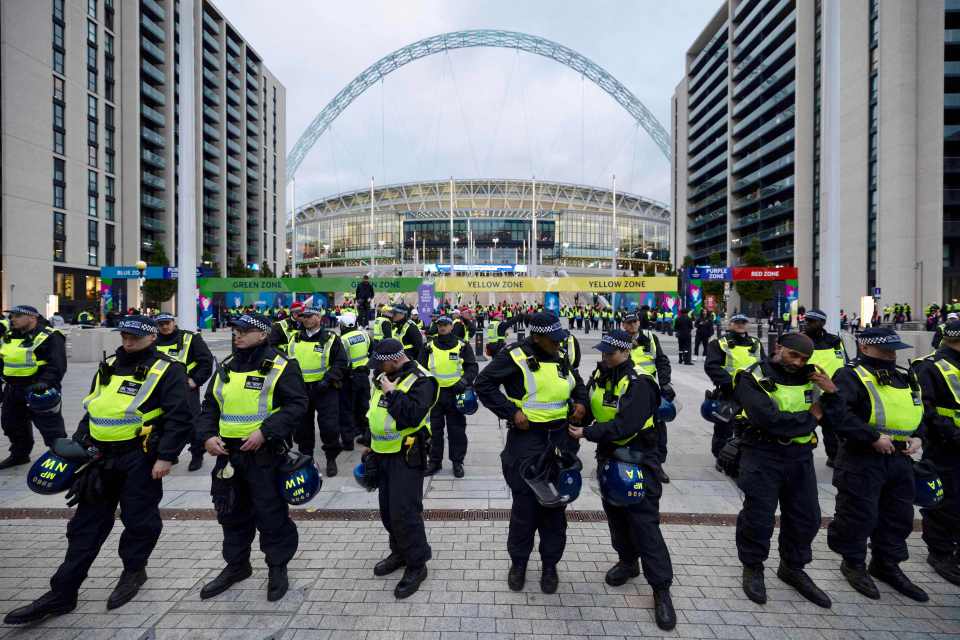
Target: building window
x=92, y=8
x=58, y=43
x=110, y=236
x=91, y=68
x=92, y=193
x=59, y=183
x=59, y=237
x=93, y=242
x=91, y=33
x=58, y=10
x=108, y=14
x=110, y=198
x=58, y=117
x=110, y=158
x=92, y=107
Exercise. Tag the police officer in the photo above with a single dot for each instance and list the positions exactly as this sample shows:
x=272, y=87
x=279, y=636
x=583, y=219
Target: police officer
x=282, y=331
x=138, y=418
x=882, y=427
x=253, y=404
x=324, y=367
x=725, y=356
x=406, y=332
x=464, y=326
x=415, y=319
x=939, y=378
x=495, y=336
x=649, y=356
x=34, y=359
x=189, y=349
x=403, y=395
x=382, y=325
x=829, y=354
x=451, y=361
x=783, y=399
x=539, y=385
x=355, y=392
x=623, y=401
x=938, y=334
x=683, y=326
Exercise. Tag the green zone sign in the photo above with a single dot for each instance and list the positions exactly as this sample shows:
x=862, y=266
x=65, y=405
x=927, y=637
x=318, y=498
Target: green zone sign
x=303, y=285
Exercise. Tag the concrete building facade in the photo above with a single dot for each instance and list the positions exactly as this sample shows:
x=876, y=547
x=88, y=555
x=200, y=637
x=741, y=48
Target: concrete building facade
x=90, y=132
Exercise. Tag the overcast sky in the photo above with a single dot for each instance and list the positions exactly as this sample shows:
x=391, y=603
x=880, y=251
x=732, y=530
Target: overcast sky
x=475, y=112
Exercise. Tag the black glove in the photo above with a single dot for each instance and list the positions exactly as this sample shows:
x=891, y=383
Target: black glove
x=667, y=392
x=460, y=387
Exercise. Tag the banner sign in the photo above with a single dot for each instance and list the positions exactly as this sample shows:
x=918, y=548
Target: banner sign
x=283, y=285
x=708, y=273
x=565, y=284
x=764, y=273
x=425, y=302
x=551, y=301
x=480, y=268
x=150, y=273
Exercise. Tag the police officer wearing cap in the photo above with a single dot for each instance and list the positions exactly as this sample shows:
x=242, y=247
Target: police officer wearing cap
x=283, y=330
x=382, y=326
x=253, y=404
x=190, y=350
x=735, y=351
x=623, y=401
x=649, y=356
x=783, y=398
x=938, y=334
x=324, y=367
x=34, y=359
x=138, y=419
x=403, y=394
x=452, y=362
x=939, y=376
x=881, y=428
x=404, y=330
x=464, y=326
x=542, y=392
x=829, y=354
x=355, y=392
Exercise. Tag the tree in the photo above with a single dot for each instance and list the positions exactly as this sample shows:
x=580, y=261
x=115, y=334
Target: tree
x=237, y=269
x=266, y=271
x=715, y=287
x=755, y=290
x=156, y=292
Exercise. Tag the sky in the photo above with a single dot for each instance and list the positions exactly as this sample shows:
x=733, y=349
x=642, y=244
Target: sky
x=474, y=113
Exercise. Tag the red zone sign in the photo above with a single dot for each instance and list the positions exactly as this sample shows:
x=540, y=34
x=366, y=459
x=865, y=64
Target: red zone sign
x=764, y=273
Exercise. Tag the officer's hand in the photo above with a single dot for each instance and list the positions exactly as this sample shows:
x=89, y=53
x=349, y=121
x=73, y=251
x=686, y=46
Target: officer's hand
x=883, y=445
x=574, y=432
x=214, y=446
x=520, y=420
x=579, y=412
x=822, y=380
x=817, y=411
x=253, y=442
x=160, y=469
x=913, y=446
x=386, y=385
x=668, y=392
x=191, y=384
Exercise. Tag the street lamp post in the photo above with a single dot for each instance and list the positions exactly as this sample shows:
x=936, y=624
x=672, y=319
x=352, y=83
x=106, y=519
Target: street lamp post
x=326, y=251
x=495, y=241
x=456, y=241
x=563, y=258
x=142, y=268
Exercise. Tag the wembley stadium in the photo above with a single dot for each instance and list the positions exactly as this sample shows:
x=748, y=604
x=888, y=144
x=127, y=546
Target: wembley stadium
x=492, y=222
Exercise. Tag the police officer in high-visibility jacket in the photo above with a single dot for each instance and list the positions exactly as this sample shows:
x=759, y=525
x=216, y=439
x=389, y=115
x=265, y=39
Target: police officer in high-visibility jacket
x=650, y=356
x=623, y=401
x=190, y=349
x=382, y=326
x=283, y=330
x=735, y=351
x=939, y=378
x=34, y=358
x=783, y=398
x=829, y=354
x=495, y=336
x=355, y=393
x=541, y=394
x=938, y=333
x=324, y=367
x=452, y=362
x=882, y=427
x=137, y=417
x=464, y=326
x=406, y=332
x=253, y=404
x=403, y=395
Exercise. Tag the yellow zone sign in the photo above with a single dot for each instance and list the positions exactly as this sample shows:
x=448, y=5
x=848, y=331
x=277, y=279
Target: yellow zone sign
x=571, y=284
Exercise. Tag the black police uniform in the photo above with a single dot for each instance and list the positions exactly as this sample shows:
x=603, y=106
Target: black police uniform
x=278, y=338
x=664, y=376
x=324, y=396
x=198, y=353
x=444, y=413
x=683, y=326
x=527, y=516
x=256, y=501
x=824, y=340
x=461, y=326
x=408, y=334
x=713, y=363
x=15, y=416
x=354, y=398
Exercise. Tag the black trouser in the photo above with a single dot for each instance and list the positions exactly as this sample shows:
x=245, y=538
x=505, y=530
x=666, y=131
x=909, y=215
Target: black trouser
x=767, y=479
x=354, y=402
x=874, y=501
x=258, y=506
x=722, y=431
x=127, y=482
x=15, y=418
x=193, y=401
x=444, y=413
x=324, y=407
x=400, y=485
x=941, y=525
x=635, y=533
x=701, y=340
x=683, y=341
x=830, y=441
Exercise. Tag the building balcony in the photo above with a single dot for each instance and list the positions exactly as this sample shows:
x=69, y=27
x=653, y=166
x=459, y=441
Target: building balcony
x=746, y=101
x=211, y=42
x=763, y=111
x=211, y=185
x=211, y=132
x=233, y=112
x=774, y=145
x=152, y=136
x=152, y=203
x=252, y=129
x=210, y=23
x=153, y=115
x=153, y=72
x=211, y=150
x=951, y=36
x=234, y=130
x=210, y=222
x=773, y=210
x=152, y=224
x=155, y=182
x=152, y=28
x=155, y=52
x=745, y=34
x=232, y=161
x=703, y=253
x=252, y=81
x=211, y=79
x=252, y=174
x=153, y=159
x=709, y=170
x=211, y=60
x=718, y=146
x=252, y=97
x=211, y=239
x=780, y=231
x=252, y=112
x=233, y=46
x=154, y=7
x=717, y=214
x=715, y=231
x=211, y=167
x=750, y=181
x=233, y=96
x=718, y=93
x=234, y=179
x=233, y=229
x=210, y=96
x=211, y=114
x=152, y=94
x=253, y=144
x=707, y=137
x=782, y=120
x=233, y=146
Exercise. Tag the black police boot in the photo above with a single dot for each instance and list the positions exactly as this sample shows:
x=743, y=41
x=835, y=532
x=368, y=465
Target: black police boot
x=663, y=611
x=389, y=564
x=662, y=476
x=331, y=467
x=432, y=468
x=49, y=604
x=799, y=580
x=347, y=444
x=517, y=576
x=230, y=575
x=891, y=574
x=859, y=579
x=127, y=587
x=549, y=580
x=621, y=572
x=196, y=461
x=753, y=584
x=13, y=461
x=458, y=470
x=277, y=583
x=946, y=567
x=410, y=582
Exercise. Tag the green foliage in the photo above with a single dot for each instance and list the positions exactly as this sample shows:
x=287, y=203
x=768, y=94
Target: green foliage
x=156, y=292
x=237, y=269
x=714, y=288
x=756, y=291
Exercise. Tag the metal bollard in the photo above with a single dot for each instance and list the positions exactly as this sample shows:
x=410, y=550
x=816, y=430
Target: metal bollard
x=478, y=347
x=759, y=330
